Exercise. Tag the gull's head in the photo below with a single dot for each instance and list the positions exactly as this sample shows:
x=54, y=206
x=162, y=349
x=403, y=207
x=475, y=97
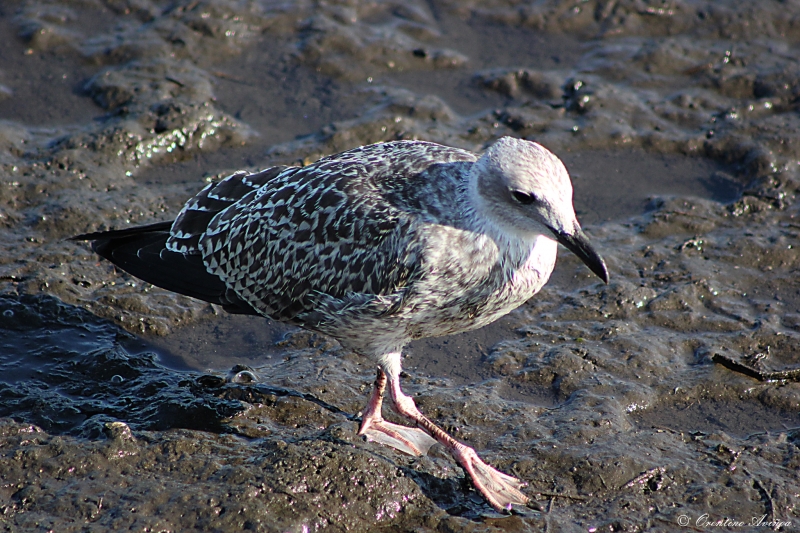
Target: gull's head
x=525, y=189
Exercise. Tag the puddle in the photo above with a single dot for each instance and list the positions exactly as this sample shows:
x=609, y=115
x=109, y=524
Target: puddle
x=221, y=342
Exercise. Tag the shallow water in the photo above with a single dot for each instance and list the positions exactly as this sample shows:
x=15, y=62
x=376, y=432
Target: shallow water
x=622, y=406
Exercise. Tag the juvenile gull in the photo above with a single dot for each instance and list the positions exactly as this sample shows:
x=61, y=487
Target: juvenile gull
x=375, y=246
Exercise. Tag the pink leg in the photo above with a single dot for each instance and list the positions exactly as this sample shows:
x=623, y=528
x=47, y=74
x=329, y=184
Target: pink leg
x=412, y=441
x=500, y=490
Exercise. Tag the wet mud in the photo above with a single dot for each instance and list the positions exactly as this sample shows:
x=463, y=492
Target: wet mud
x=668, y=398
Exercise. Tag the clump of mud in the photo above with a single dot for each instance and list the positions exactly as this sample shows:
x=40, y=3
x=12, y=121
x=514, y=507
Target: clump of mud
x=667, y=396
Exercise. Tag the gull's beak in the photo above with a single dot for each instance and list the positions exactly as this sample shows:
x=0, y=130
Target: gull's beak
x=579, y=245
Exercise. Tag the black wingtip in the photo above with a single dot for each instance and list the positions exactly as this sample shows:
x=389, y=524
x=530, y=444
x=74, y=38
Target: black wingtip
x=141, y=251
x=119, y=233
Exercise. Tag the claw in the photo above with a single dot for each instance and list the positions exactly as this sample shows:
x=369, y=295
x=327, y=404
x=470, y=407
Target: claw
x=500, y=490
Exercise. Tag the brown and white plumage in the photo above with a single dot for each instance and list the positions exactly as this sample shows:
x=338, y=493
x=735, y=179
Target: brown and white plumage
x=375, y=246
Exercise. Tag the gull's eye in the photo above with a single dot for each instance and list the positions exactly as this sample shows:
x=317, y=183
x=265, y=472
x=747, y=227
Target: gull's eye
x=523, y=198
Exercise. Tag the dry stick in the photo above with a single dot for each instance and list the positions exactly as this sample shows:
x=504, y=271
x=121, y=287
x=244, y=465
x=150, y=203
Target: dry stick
x=644, y=477
x=553, y=495
x=769, y=504
x=736, y=366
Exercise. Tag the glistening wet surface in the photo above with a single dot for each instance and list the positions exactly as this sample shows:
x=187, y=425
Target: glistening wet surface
x=672, y=392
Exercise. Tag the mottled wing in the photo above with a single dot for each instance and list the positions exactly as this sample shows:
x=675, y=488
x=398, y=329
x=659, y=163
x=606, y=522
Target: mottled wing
x=323, y=232
x=193, y=220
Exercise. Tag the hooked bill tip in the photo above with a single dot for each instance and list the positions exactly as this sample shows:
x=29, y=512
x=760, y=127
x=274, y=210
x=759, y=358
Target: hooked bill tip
x=578, y=243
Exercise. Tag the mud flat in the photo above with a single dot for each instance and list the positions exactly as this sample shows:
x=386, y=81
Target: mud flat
x=668, y=398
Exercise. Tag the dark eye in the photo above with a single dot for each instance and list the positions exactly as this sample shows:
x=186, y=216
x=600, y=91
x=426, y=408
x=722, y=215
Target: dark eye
x=523, y=198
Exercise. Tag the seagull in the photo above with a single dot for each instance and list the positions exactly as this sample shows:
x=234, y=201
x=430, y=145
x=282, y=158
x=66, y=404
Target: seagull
x=375, y=246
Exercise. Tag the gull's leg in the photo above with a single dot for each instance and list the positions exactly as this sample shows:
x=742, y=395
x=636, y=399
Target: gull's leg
x=499, y=489
x=412, y=441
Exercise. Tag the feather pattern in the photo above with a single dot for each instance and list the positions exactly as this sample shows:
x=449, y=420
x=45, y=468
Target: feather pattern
x=375, y=246
x=343, y=229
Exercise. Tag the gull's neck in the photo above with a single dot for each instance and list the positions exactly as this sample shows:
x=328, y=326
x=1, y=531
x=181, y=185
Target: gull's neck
x=527, y=257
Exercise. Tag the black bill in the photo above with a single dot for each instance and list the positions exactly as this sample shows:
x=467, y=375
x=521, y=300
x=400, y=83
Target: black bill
x=579, y=245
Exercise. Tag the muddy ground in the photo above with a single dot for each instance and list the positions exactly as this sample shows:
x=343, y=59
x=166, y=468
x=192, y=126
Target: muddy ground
x=666, y=400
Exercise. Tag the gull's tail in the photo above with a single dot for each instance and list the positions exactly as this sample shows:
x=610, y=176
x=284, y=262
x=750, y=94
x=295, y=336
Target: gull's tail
x=141, y=251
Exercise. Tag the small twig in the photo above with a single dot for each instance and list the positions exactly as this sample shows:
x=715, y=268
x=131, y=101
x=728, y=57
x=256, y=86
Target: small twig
x=553, y=495
x=645, y=477
x=759, y=433
x=736, y=366
x=173, y=80
x=768, y=504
